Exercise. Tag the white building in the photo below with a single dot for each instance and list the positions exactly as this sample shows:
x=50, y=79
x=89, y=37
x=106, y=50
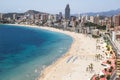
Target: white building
x=113, y=36
x=14, y=16
x=96, y=32
x=44, y=17
x=92, y=19
x=79, y=16
x=86, y=18
x=1, y=15
x=60, y=15
x=56, y=17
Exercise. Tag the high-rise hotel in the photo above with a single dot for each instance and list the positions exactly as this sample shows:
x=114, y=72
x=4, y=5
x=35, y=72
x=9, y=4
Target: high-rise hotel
x=67, y=12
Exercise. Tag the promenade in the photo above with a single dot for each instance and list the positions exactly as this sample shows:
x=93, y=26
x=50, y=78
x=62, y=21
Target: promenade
x=116, y=47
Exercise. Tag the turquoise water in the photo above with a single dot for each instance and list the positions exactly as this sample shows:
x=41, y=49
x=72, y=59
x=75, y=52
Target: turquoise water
x=24, y=51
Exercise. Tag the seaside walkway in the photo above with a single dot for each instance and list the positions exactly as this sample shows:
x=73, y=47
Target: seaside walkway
x=114, y=76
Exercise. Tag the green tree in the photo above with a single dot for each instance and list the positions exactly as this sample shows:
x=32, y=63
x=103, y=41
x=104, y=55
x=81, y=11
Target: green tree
x=108, y=77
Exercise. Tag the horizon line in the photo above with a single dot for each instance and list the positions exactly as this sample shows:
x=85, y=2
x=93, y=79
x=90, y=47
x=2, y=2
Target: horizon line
x=61, y=11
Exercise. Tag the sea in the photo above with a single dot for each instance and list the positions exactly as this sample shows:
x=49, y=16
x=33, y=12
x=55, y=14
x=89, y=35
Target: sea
x=26, y=51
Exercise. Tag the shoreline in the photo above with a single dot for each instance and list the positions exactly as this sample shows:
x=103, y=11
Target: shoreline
x=61, y=69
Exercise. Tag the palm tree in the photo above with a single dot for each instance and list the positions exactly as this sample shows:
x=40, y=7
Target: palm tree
x=97, y=78
x=91, y=66
x=96, y=56
x=109, y=62
x=105, y=69
x=111, y=52
x=102, y=76
x=108, y=77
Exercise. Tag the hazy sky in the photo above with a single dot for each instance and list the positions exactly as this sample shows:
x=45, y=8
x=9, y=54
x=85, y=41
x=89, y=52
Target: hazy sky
x=55, y=6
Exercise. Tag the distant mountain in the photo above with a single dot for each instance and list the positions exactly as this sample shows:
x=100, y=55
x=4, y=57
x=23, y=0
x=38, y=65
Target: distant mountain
x=10, y=15
x=34, y=12
x=31, y=12
x=105, y=13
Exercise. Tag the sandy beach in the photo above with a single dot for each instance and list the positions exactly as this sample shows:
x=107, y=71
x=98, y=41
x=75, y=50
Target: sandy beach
x=73, y=65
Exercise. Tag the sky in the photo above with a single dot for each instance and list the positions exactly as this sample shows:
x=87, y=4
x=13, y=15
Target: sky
x=56, y=6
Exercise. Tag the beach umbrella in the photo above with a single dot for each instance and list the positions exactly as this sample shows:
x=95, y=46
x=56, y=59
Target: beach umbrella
x=101, y=73
x=107, y=66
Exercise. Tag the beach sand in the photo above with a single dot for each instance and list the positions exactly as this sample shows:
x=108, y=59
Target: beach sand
x=72, y=65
